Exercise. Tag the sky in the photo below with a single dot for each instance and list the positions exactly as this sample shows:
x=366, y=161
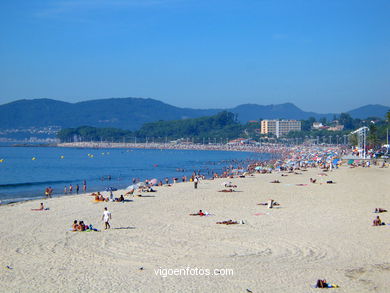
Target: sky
x=322, y=55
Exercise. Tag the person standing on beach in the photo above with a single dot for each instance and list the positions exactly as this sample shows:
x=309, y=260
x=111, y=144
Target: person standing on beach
x=65, y=190
x=196, y=180
x=84, y=186
x=77, y=189
x=70, y=188
x=106, y=218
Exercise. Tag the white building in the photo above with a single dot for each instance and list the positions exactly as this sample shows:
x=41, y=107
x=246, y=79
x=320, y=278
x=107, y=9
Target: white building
x=279, y=127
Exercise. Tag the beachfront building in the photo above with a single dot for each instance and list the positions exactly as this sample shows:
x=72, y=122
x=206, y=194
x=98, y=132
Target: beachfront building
x=279, y=127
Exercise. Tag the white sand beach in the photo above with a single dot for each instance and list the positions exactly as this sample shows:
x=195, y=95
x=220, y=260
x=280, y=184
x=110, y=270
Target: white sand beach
x=320, y=231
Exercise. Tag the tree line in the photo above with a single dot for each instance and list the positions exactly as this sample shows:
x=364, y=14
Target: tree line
x=223, y=127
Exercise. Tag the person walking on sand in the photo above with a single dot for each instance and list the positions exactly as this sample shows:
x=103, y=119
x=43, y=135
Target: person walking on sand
x=196, y=180
x=77, y=189
x=106, y=218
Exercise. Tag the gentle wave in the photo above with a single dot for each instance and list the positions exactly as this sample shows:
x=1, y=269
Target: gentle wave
x=15, y=185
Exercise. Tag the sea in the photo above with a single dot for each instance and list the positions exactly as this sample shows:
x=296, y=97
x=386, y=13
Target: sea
x=25, y=172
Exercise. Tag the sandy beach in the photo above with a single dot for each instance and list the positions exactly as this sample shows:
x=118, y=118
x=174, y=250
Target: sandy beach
x=320, y=231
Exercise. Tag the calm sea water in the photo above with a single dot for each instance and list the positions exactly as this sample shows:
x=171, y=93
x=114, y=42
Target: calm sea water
x=25, y=172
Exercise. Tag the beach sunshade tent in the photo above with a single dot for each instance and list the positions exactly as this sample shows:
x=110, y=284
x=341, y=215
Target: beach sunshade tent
x=134, y=186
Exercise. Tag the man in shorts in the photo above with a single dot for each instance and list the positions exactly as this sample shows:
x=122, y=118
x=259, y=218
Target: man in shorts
x=106, y=218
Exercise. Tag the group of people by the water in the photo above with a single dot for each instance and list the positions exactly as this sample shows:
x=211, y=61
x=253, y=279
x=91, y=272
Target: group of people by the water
x=67, y=189
x=48, y=192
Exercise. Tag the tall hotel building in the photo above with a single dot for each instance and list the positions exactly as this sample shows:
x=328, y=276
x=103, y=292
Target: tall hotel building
x=279, y=127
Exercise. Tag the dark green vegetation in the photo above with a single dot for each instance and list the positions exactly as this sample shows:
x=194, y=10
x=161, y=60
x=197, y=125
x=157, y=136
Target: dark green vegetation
x=133, y=113
x=219, y=127
x=224, y=126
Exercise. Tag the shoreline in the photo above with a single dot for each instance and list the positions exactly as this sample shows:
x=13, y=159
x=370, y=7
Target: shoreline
x=275, y=151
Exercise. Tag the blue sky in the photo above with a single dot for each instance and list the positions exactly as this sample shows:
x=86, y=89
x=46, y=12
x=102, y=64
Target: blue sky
x=322, y=55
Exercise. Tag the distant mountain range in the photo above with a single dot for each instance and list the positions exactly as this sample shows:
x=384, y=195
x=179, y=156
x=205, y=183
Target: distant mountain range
x=132, y=113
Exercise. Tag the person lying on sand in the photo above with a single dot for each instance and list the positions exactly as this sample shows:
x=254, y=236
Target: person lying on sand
x=41, y=208
x=227, y=190
x=230, y=184
x=200, y=213
x=149, y=189
x=284, y=175
x=379, y=210
x=330, y=182
x=266, y=203
x=324, y=284
x=313, y=180
x=228, y=222
x=275, y=181
x=377, y=222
